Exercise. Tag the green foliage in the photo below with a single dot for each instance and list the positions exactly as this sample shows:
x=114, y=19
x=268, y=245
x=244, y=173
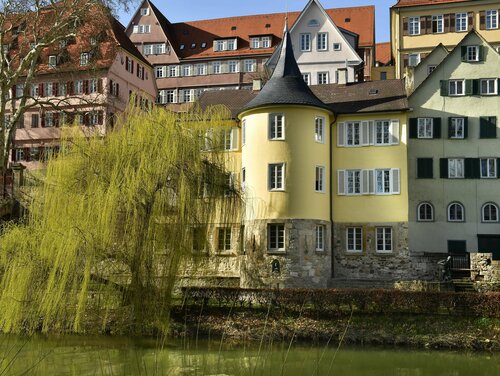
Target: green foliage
x=110, y=223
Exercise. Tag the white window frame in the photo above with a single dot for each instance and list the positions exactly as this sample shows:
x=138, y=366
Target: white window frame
x=413, y=59
x=454, y=86
x=385, y=131
x=461, y=22
x=337, y=46
x=387, y=246
x=249, y=65
x=276, y=176
x=216, y=67
x=52, y=61
x=161, y=71
x=276, y=126
x=488, y=165
x=322, y=41
x=356, y=233
x=458, y=127
x=147, y=49
x=438, y=19
x=265, y=42
x=307, y=78
x=419, y=217
x=305, y=42
x=448, y=211
x=172, y=71
x=159, y=48
x=352, y=134
x=491, y=19
x=491, y=85
x=414, y=25
x=319, y=232
x=233, y=66
x=319, y=129
x=144, y=11
x=201, y=69
x=278, y=231
x=322, y=75
x=383, y=176
x=227, y=239
x=84, y=59
x=483, y=212
x=254, y=42
x=353, y=177
x=456, y=168
x=320, y=179
x=472, y=53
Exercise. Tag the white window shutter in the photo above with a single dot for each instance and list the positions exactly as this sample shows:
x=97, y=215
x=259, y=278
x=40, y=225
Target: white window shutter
x=175, y=96
x=371, y=181
x=234, y=138
x=372, y=132
x=395, y=180
x=209, y=135
x=340, y=134
x=365, y=182
x=394, y=132
x=135, y=29
x=215, y=45
x=365, y=126
x=341, y=182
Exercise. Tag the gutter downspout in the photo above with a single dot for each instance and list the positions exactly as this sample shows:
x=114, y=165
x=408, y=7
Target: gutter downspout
x=332, y=242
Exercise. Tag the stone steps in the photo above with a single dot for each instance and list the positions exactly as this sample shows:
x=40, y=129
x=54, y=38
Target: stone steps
x=463, y=285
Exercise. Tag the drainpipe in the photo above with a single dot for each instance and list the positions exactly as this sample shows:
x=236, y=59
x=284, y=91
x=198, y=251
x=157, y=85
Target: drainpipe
x=332, y=242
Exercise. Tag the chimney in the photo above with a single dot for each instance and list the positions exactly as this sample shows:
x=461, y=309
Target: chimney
x=342, y=76
x=257, y=85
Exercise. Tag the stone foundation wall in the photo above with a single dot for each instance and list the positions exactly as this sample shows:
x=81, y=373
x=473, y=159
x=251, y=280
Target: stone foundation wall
x=398, y=265
x=485, y=272
x=300, y=265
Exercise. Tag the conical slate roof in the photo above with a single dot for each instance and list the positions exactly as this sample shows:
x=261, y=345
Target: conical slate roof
x=286, y=85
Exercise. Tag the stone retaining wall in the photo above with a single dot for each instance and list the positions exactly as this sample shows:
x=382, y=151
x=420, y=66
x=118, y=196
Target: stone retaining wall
x=485, y=272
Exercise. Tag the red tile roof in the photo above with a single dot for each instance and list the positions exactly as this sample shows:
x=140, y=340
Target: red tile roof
x=359, y=20
x=383, y=53
x=412, y=3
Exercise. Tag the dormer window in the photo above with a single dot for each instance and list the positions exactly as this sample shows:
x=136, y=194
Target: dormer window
x=193, y=45
x=144, y=11
x=204, y=45
x=260, y=42
x=181, y=47
x=84, y=58
x=225, y=44
x=93, y=41
x=313, y=23
x=52, y=61
x=63, y=43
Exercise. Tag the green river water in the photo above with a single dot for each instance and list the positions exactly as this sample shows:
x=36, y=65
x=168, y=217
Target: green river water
x=72, y=355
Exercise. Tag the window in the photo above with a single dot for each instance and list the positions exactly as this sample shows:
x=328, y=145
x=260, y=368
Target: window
x=249, y=65
x=244, y=132
x=456, y=87
x=425, y=168
x=354, y=239
x=115, y=88
x=79, y=87
x=384, y=239
x=63, y=89
x=19, y=154
x=489, y=213
x=322, y=42
x=265, y=42
x=425, y=127
x=148, y=49
x=94, y=118
x=461, y=22
x=455, y=168
x=233, y=66
x=276, y=237
x=383, y=181
x=319, y=129
x=159, y=49
x=84, y=58
x=216, y=67
x=313, y=23
x=187, y=96
x=492, y=19
x=437, y=23
x=431, y=68
x=382, y=132
x=34, y=120
x=199, y=238
x=337, y=46
x=224, y=239
x=320, y=238
x=353, y=131
x=425, y=212
x=19, y=90
x=472, y=53
x=457, y=126
x=254, y=42
x=231, y=44
x=353, y=182
x=456, y=212
x=144, y=11
x=489, y=86
x=414, y=25
x=319, y=185
x=181, y=47
x=160, y=71
x=322, y=78
x=383, y=76
x=487, y=127
x=129, y=65
x=93, y=86
x=49, y=119
x=229, y=185
x=276, y=127
x=201, y=69
x=276, y=176
x=173, y=71
x=225, y=45
x=243, y=178
x=141, y=29
x=47, y=89
x=488, y=168
x=228, y=138
x=305, y=42
x=413, y=59
x=307, y=78
x=52, y=61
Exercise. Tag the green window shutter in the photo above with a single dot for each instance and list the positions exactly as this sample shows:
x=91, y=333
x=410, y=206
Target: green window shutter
x=498, y=86
x=483, y=127
x=450, y=131
x=464, y=53
x=443, y=168
x=444, y=88
x=424, y=168
x=481, y=53
x=466, y=127
x=493, y=126
x=487, y=127
x=498, y=168
x=476, y=168
x=468, y=87
x=472, y=168
x=475, y=87
x=436, y=128
x=413, y=127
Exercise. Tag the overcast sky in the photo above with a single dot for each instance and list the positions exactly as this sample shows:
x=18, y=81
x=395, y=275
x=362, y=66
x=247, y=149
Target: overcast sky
x=192, y=10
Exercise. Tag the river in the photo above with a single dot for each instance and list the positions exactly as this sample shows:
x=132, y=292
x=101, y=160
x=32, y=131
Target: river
x=83, y=355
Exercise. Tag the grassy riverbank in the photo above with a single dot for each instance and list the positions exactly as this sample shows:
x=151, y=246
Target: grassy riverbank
x=412, y=330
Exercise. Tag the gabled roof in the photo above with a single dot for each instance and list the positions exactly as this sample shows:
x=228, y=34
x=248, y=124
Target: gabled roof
x=412, y=3
x=124, y=42
x=164, y=23
x=383, y=53
x=286, y=85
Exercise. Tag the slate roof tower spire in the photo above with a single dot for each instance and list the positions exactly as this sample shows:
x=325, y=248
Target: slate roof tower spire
x=286, y=85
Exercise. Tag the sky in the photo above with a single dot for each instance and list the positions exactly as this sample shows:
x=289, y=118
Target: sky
x=193, y=10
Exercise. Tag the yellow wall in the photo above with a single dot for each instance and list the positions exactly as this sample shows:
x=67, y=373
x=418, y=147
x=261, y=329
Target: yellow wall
x=371, y=208
x=300, y=153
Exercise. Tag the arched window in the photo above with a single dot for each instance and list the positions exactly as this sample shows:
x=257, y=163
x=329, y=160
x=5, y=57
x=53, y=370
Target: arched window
x=313, y=23
x=456, y=212
x=425, y=212
x=489, y=212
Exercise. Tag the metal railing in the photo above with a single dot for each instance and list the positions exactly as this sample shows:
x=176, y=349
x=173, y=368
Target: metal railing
x=460, y=262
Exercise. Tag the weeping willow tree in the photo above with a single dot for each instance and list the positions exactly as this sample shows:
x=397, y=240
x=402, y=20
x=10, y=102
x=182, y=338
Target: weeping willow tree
x=111, y=222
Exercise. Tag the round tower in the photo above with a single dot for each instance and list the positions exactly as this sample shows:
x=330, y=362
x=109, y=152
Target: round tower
x=286, y=158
